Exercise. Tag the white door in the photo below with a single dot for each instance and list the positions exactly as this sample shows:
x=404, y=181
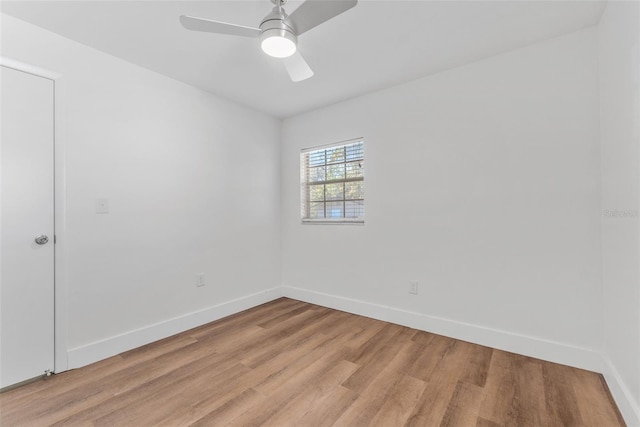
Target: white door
x=26, y=213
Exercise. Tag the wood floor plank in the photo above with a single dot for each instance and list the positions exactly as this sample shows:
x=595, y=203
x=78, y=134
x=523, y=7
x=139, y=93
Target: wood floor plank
x=280, y=394
x=139, y=389
x=224, y=399
x=441, y=385
x=290, y=342
x=296, y=370
x=589, y=390
x=254, y=316
x=88, y=392
x=561, y=400
x=398, y=407
x=329, y=409
x=478, y=364
x=406, y=357
x=464, y=406
x=226, y=402
x=365, y=330
x=231, y=410
x=108, y=367
x=263, y=338
x=423, y=338
x=368, y=349
x=380, y=357
x=156, y=403
x=423, y=366
x=381, y=387
x=312, y=396
x=292, y=363
x=482, y=422
x=365, y=407
x=260, y=375
x=515, y=391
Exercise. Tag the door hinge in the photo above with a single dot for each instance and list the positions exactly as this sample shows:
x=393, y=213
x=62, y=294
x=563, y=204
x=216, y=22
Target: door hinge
x=54, y=239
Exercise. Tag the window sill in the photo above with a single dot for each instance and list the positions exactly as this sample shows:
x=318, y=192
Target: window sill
x=341, y=221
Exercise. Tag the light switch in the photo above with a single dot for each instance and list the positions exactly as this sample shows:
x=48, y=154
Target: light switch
x=102, y=206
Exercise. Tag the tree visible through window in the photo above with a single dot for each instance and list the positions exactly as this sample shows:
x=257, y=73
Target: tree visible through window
x=332, y=181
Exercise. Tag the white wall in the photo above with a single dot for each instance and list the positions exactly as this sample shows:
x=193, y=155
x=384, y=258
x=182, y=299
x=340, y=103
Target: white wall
x=192, y=182
x=482, y=183
x=619, y=50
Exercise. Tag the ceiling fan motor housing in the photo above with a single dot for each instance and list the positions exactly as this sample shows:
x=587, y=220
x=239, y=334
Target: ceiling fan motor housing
x=276, y=21
x=273, y=25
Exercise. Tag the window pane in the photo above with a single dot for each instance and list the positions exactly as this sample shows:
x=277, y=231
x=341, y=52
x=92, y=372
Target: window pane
x=316, y=174
x=335, y=155
x=354, y=170
x=316, y=193
x=316, y=210
x=316, y=158
x=335, y=210
x=354, y=190
x=355, y=152
x=334, y=191
x=354, y=209
x=335, y=172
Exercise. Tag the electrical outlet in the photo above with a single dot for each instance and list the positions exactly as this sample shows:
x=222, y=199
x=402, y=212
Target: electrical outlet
x=200, y=280
x=413, y=287
x=102, y=206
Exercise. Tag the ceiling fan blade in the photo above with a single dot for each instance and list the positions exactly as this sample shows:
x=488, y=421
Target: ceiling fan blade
x=209, y=26
x=314, y=12
x=297, y=67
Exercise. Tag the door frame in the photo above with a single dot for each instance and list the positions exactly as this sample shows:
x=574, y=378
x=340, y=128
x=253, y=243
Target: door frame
x=60, y=303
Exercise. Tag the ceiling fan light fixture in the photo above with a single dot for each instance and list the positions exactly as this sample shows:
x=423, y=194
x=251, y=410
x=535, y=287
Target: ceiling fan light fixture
x=278, y=42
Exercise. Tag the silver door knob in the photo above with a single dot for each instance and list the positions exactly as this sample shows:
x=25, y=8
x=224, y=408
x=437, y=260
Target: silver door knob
x=42, y=239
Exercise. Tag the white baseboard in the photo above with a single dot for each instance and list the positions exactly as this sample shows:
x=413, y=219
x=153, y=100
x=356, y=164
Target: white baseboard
x=621, y=394
x=93, y=352
x=579, y=357
x=529, y=346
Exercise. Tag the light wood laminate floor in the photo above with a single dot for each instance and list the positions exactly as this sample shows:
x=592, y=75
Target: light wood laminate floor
x=292, y=363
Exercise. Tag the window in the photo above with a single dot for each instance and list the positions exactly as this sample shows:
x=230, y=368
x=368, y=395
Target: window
x=332, y=183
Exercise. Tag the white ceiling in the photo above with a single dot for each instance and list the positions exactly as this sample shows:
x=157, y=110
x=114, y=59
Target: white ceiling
x=375, y=45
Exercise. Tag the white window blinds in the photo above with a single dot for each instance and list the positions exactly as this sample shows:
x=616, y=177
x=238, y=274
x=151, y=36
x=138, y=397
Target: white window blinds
x=332, y=183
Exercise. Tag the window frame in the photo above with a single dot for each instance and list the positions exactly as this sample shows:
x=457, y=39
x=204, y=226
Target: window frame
x=305, y=184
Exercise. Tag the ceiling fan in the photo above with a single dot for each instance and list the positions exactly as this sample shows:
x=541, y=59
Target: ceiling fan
x=278, y=32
